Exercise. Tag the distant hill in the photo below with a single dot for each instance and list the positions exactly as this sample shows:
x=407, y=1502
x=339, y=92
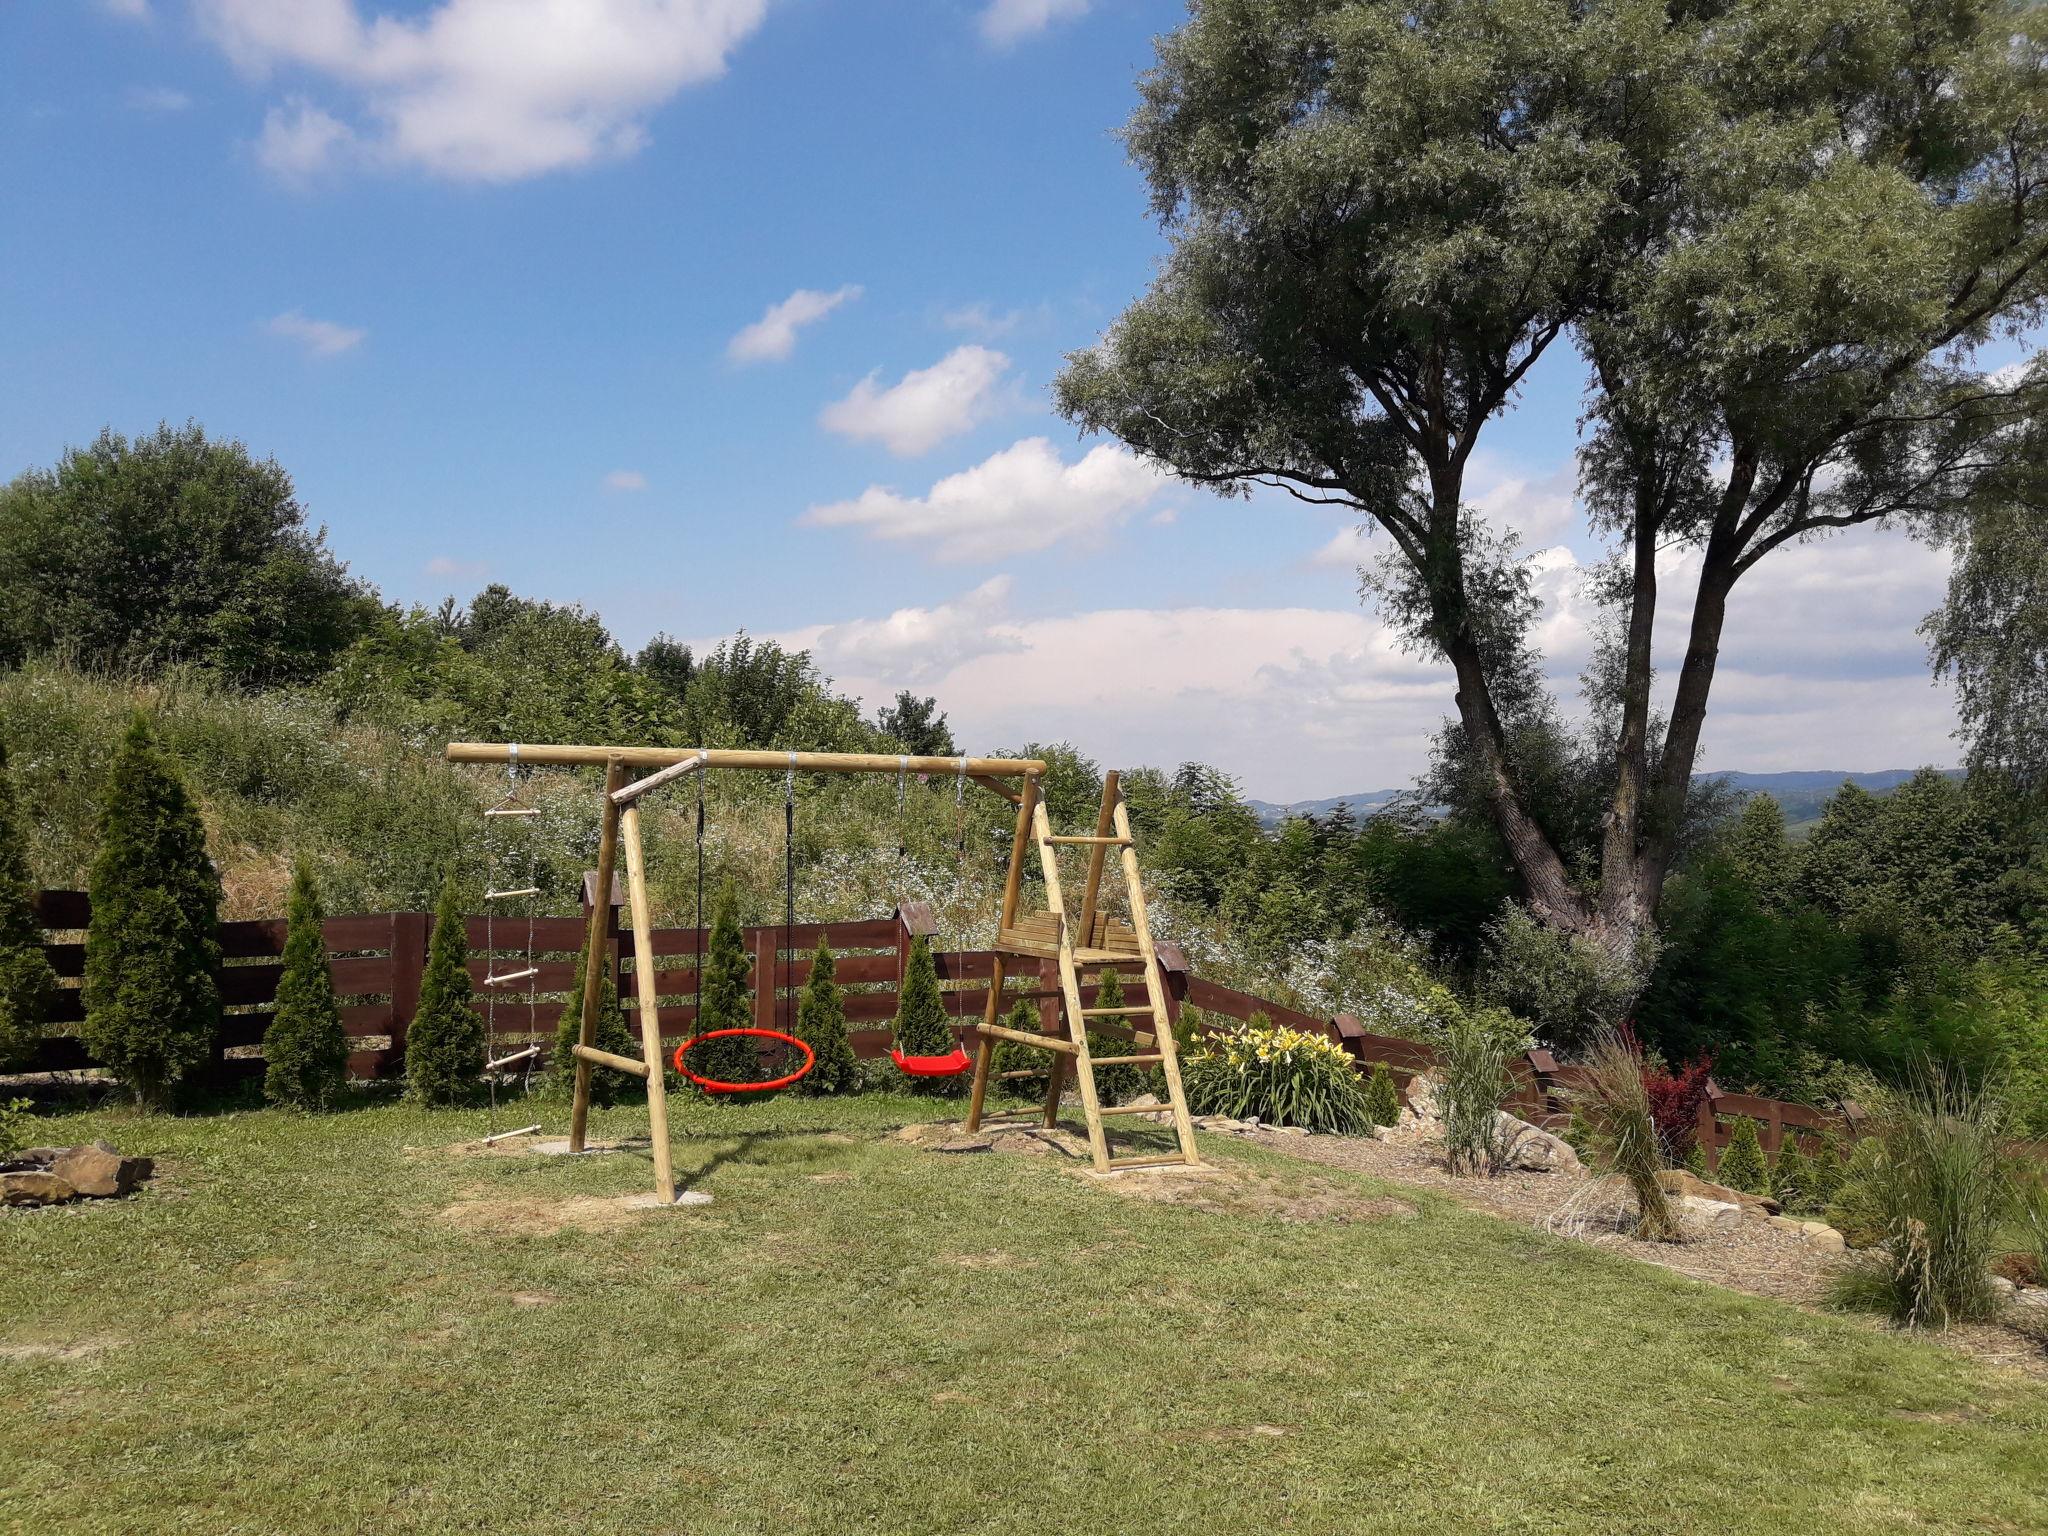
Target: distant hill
x=1801, y=792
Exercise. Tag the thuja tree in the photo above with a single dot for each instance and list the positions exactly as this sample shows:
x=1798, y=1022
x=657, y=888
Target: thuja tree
x=152, y=947
x=821, y=1024
x=725, y=1000
x=920, y=1007
x=607, y=1084
x=305, y=1051
x=444, y=1046
x=1778, y=240
x=27, y=984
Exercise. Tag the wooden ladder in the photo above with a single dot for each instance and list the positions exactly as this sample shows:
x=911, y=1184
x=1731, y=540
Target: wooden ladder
x=1097, y=938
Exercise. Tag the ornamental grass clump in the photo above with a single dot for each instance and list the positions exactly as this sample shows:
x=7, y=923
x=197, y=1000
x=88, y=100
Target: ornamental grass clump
x=1279, y=1076
x=1941, y=1185
x=1621, y=1118
x=1472, y=1081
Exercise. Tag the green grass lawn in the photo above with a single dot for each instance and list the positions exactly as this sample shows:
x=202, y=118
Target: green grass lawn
x=285, y=1334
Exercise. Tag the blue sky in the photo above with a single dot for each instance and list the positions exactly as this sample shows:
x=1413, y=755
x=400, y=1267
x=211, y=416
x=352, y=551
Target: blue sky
x=479, y=281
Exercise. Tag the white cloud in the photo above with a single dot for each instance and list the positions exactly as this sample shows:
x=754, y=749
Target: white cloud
x=484, y=90
x=320, y=338
x=1539, y=507
x=462, y=570
x=914, y=645
x=928, y=406
x=1021, y=499
x=158, y=98
x=299, y=141
x=625, y=480
x=1004, y=22
x=773, y=337
x=986, y=324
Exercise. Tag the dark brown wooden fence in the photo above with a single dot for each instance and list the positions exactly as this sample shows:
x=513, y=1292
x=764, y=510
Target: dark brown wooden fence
x=377, y=960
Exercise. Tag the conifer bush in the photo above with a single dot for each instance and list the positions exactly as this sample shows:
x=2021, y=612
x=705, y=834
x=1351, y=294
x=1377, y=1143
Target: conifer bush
x=1696, y=1161
x=920, y=1007
x=1742, y=1164
x=1792, y=1179
x=28, y=986
x=608, y=1085
x=725, y=1000
x=1382, y=1099
x=821, y=1024
x=152, y=948
x=444, y=1048
x=305, y=1050
x=1113, y=1084
x=1010, y=1056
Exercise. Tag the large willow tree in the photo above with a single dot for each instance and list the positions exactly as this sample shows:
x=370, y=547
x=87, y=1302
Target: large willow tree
x=1778, y=232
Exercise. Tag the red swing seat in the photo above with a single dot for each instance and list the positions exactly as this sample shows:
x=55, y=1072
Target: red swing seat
x=950, y=1065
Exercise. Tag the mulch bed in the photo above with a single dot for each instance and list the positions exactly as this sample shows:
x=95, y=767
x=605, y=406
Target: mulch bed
x=1755, y=1257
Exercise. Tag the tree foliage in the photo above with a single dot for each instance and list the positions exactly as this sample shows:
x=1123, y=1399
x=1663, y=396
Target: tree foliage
x=920, y=1006
x=1778, y=241
x=608, y=1085
x=305, y=1051
x=168, y=548
x=725, y=999
x=152, y=948
x=444, y=1045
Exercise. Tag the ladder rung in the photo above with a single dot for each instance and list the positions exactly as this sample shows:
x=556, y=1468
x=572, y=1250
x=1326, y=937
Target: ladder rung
x=524, y=1130
x=1105, y=1013
x=1136, y=1109
x=512, y=1060
x=1014, y=1114
x=1043, y=1042
x=514, y=810
x=1004, y=1077
x=1150, y=1059
x=499, y=981
x=524, y=890
x=1113, y=842
x=1164, y=1160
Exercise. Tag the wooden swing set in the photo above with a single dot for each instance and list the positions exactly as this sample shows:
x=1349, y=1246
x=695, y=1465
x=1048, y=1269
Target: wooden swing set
x=1049, y=934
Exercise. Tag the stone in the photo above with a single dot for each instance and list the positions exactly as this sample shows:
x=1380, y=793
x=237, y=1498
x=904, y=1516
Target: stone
x=1146, y=1100
x=98, y=1172
x=1290, y=1130
x=1533, y=1149
x=1700, y=1216
x=1826, y=1239
x=2003, y=1288
x=1680, y=1181
x=34, y=1187
x=41, y=1156
x=1785, y=1223
x=1421, y=1096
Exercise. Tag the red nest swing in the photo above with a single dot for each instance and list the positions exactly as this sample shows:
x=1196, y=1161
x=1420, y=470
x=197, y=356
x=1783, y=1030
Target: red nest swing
x=715, y=1085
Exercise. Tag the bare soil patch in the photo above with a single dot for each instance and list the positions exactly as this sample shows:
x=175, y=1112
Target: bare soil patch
x=527, y=1216
x=75, y=1349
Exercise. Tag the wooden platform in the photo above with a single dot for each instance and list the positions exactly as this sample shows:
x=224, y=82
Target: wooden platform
x=1038, y=933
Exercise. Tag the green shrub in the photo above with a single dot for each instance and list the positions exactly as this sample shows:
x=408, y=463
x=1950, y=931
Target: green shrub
x=1113, y=1084
x=444, y=1048
x=1473, y=1048
x=920, y=1007
x=1010, y=1056
x=1742, y=1163
x=1792, y=1180
x=725, y=1001
x=28, y=986
x=152, y=948
x=1696, y=1161
x=1855, y=1209
x=305, y=1050
x=608, y=1085
x=1942, y=1187
x=821, y=1024
x=16, y=1119
x=1824, y=1174
x=1382, y=1099
x=1277, y=1075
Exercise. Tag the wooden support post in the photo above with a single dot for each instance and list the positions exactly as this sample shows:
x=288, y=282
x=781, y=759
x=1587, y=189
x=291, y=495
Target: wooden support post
x=1155, y=989
x=985, y=1048
x=767, y=952
x=1049, y=1023
x=1105, y=821
x=1020, y=839
x=597, y=952
x=650, y=1012
x=408, y=967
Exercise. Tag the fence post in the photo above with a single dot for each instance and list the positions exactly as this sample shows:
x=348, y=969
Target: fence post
x=1173, y=975
x=408, y=965
x=766, y=952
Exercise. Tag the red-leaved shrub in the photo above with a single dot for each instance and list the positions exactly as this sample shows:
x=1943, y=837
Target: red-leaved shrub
x=1675, y=1099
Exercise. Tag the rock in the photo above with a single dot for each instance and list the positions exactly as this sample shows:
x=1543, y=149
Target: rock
x=1290, y=1130
x=2033, y=1296
x=2003, y=1288
x=97, y=1171
x=1421, y=1096
x=1701, y=1216
x=34, y=1188
x=1678, y=1181
x=1533, y=1149
x=1148, y=1100
x=1785, y=1223
x=41, y=1156
x=1825, y=1238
